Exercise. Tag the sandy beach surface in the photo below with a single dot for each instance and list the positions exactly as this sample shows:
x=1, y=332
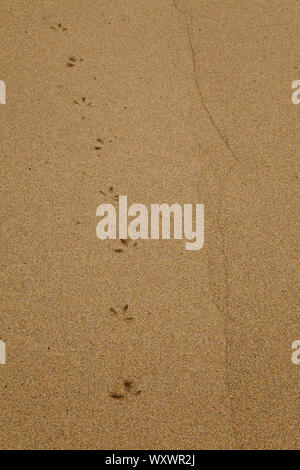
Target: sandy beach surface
x=147, y=345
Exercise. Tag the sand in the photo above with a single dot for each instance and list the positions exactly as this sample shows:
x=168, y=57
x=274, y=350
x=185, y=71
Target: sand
x=152, y=347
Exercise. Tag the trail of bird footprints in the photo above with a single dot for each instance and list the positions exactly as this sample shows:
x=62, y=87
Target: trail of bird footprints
x=122, y=313
x=128, y=388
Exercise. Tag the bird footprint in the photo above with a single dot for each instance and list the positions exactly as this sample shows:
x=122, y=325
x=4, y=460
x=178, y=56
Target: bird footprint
x=128, y=388
x=126, y=243
x=110, y=193
x=72, y=61
x=83, y=102
x=121, y=313
x=59, y=27
x=98, y=146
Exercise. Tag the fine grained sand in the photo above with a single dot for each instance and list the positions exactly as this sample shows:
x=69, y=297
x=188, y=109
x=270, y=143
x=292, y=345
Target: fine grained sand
x=191, y=103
